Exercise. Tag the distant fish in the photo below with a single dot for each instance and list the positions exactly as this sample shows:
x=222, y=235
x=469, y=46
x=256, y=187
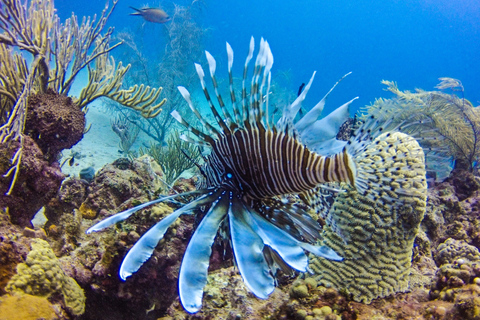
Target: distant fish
x=155, y=15
x=300, y=89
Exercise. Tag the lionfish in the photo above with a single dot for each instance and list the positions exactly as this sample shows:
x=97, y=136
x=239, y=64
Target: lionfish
x=253, y=163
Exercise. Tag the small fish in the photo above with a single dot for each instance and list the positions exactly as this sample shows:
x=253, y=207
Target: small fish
x=72, y=161
x=300, y=89
x=155, y=15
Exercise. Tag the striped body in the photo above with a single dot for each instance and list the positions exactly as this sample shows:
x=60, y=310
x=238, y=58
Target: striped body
x=265, y=163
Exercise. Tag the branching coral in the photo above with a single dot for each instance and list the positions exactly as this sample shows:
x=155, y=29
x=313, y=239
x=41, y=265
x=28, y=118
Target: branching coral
x=106, y=80
x=452, y=119
x=60, y=51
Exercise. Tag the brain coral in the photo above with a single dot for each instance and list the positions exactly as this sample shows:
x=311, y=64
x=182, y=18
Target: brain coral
x=376, y=238
x=41, y=275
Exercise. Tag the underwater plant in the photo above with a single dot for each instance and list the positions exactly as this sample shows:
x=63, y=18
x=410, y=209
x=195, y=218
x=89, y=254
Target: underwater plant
x=252, y=163
x=454, y=120
x=59, y=51
x=175, y=157
x=126, y=132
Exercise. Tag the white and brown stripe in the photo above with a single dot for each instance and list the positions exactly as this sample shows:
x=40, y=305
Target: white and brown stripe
x=267, y=163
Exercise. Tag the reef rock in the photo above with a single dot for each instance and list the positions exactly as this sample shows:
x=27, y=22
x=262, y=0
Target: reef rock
x=37, y=183
x=54, y=122
x=123, y=180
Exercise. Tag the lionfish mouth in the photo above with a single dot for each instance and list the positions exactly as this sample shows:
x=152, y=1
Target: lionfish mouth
x=253, y=162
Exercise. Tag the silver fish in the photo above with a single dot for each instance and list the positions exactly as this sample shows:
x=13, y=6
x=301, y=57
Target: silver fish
x=155, y=15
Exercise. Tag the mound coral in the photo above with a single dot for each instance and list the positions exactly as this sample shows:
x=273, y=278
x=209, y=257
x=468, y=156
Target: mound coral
x=41, y=275
x=375, y=238
x=459, y=266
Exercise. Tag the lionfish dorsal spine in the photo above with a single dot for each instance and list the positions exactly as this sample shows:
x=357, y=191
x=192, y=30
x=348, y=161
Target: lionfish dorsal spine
x=245, y=108
x=212, y=64
x=186, y=95
x=218, y=118
x=263, y=65
x=236, y=112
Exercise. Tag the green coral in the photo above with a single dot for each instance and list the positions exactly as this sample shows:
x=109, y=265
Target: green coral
x=41, y=275
x=376, y=238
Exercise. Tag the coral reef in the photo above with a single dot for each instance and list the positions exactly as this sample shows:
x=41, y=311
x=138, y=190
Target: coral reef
x=13, y=250
x=459, y=266
x=122, y=181
x=34, y=103
x=41, y=275
x=93, y=262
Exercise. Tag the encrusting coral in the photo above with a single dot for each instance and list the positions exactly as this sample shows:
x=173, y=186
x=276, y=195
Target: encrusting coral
x=375, y=238
x=26, y=307
x=41, y=275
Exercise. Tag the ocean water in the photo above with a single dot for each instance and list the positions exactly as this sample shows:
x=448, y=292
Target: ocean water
x=412, y=42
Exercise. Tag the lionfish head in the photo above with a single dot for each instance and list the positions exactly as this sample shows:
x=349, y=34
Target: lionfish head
x=253, y=162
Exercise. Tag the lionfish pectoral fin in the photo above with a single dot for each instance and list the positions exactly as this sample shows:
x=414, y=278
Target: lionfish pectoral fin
x=143, y=249
x=286, y=246
x=320, y=136
x=322, y=251
x=312, y=116
x=127, y=213
x=248, y=252
x=194, y=268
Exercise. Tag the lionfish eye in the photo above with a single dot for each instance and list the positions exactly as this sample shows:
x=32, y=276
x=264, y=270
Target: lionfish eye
x=229, y=175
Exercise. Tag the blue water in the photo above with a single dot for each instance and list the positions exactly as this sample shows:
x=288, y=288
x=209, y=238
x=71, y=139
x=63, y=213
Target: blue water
x=413, y=42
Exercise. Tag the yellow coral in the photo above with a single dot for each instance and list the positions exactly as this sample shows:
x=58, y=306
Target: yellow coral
x=376, y=238
x=25, y=307
x=87, y=212
x=41, y=275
